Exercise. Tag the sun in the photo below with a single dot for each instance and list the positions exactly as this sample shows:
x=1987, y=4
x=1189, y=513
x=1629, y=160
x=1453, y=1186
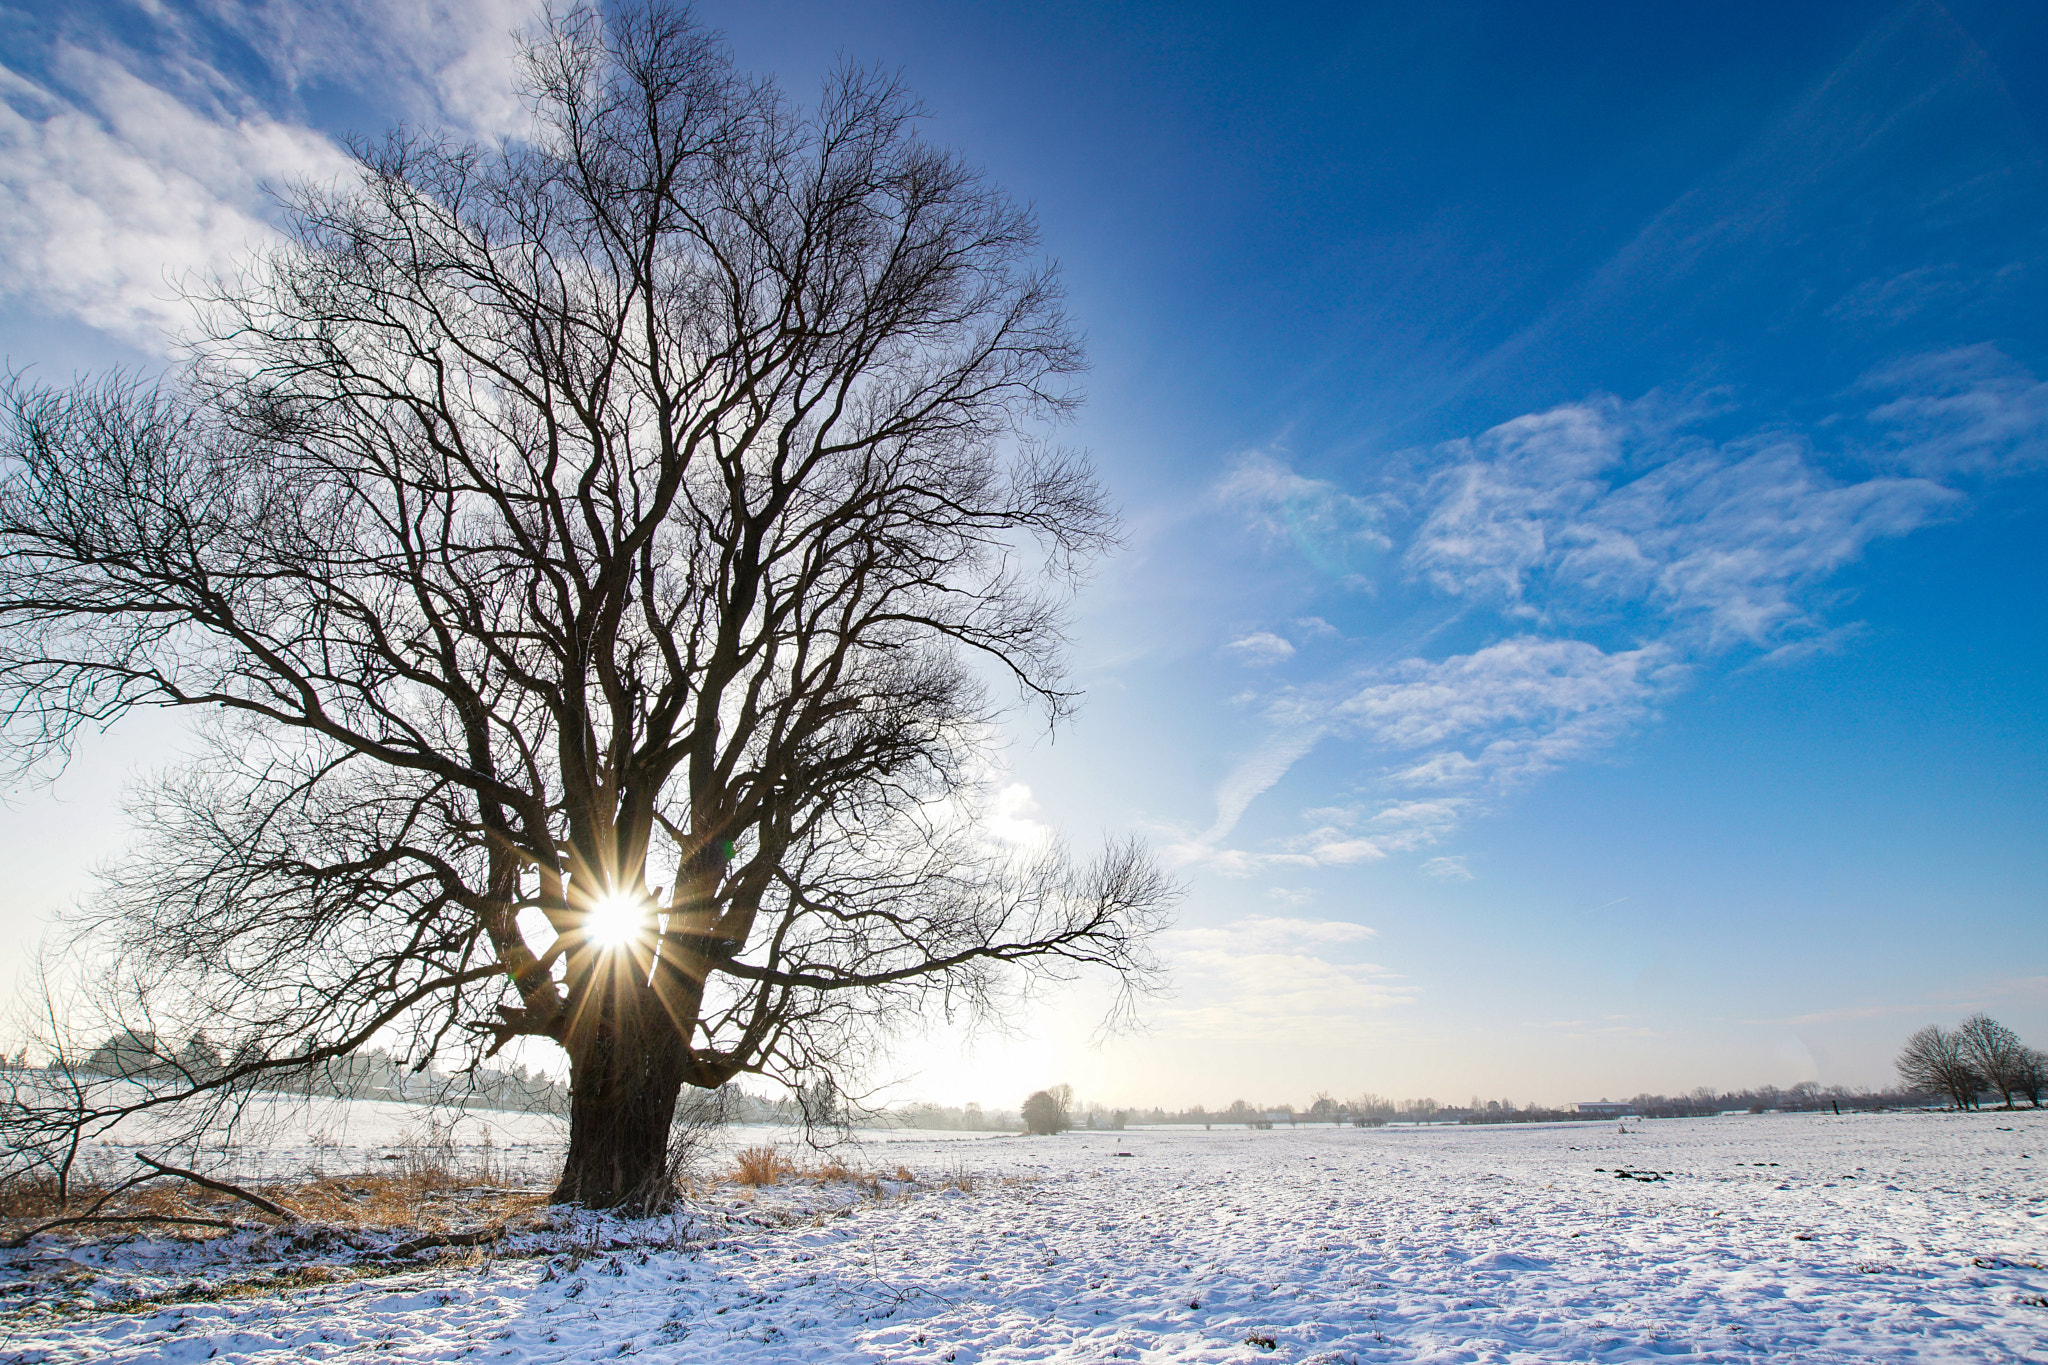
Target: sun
x=612, y=921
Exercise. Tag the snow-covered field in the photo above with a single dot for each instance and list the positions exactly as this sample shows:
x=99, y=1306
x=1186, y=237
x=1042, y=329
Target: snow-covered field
x=281, y=1136
x=1897, y=1237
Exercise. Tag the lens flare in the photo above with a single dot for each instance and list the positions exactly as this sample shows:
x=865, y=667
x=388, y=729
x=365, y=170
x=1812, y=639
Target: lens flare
x=612, y=921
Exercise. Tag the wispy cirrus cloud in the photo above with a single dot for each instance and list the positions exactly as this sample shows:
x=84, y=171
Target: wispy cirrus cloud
x=1273, y=977
x=1580, y=514
x=1336, y=531
x=1515, y=709
x=1620, y=552
x=1972, y=410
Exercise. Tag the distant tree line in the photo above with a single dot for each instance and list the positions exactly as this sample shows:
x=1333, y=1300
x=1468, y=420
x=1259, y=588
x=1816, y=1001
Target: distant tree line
x=1054, y=1110
x=1978, y=1057
x=369, y=1075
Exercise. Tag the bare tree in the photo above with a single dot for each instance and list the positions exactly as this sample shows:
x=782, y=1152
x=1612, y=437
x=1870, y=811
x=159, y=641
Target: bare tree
x=1995, y=1053
x=601, y=558
x=2032, y=1077
x=1935, y=1062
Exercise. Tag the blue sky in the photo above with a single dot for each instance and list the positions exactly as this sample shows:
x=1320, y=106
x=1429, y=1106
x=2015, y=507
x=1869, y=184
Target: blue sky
x=1586, y=469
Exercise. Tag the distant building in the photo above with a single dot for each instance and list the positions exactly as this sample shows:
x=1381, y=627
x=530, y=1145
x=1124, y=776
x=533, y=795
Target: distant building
x=1605, y=1109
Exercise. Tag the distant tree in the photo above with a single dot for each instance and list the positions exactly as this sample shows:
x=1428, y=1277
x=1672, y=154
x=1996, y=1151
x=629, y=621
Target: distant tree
x=1045, y=1112
x=598, y=554
x=1935, y=1062
x=1323, y=1108
x=1369, y=1105
x=130, y=1054
x=1994, y=1052
x=199, y=1059
x=2032, y=1077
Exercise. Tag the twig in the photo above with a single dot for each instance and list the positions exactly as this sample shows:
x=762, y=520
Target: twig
x=246, y=1196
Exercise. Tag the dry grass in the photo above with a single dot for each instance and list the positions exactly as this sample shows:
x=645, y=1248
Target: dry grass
x=760, y=1166
x=757, y=1166
x=429, y=1200
x=418, y=1199
x=25, y=1198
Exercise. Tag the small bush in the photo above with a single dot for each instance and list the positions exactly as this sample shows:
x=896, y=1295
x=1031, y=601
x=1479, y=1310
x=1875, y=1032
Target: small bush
x=1044, y=1113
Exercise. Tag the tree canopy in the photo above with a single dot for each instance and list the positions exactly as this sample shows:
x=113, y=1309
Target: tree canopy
x=601, y=560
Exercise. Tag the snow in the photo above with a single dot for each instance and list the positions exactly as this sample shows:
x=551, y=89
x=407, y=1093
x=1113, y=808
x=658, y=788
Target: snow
x=281, y=1135
x=1907, y=1237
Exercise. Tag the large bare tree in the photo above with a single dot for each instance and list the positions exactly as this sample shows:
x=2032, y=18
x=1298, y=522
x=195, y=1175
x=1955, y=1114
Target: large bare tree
x=601, y=559
x=1995, y=1053
x=1937, y=1062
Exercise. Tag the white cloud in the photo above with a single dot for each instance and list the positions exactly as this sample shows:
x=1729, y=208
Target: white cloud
x=444, y=63
x=1594, y=510
x=1273, y=978
x=1545, y=700
x=128, y=175
x=1970, y=411
x=1336, y=532
x=1495, y=503
x=1451, y=869
x=1254, y=775
x=1334, y=848
x=1599, y=518
x=1492, y=719
x=111, y=204
x=1012, y=818
x=1260, y=649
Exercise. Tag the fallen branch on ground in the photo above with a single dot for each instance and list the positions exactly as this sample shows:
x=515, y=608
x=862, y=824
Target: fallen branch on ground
x=222, y=1186
x=474, y=1237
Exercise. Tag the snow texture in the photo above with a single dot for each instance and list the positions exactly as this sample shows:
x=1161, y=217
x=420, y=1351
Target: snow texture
x=1894, y=1237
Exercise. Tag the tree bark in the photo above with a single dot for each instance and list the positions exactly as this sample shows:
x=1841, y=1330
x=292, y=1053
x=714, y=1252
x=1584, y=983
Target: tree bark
x=624, y=1080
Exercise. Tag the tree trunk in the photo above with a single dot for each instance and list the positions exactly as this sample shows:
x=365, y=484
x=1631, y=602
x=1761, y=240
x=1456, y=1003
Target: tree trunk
x=623, y=1084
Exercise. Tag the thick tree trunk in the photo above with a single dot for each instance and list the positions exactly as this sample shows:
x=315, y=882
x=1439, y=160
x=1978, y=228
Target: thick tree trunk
x=623, y=1084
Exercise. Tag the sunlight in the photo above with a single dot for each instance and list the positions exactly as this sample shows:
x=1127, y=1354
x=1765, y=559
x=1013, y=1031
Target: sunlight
x=612, y=920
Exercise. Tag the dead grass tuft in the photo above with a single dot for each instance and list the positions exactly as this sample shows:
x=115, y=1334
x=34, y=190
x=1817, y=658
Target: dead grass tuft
x=27, y=1197
x=760, y=1166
